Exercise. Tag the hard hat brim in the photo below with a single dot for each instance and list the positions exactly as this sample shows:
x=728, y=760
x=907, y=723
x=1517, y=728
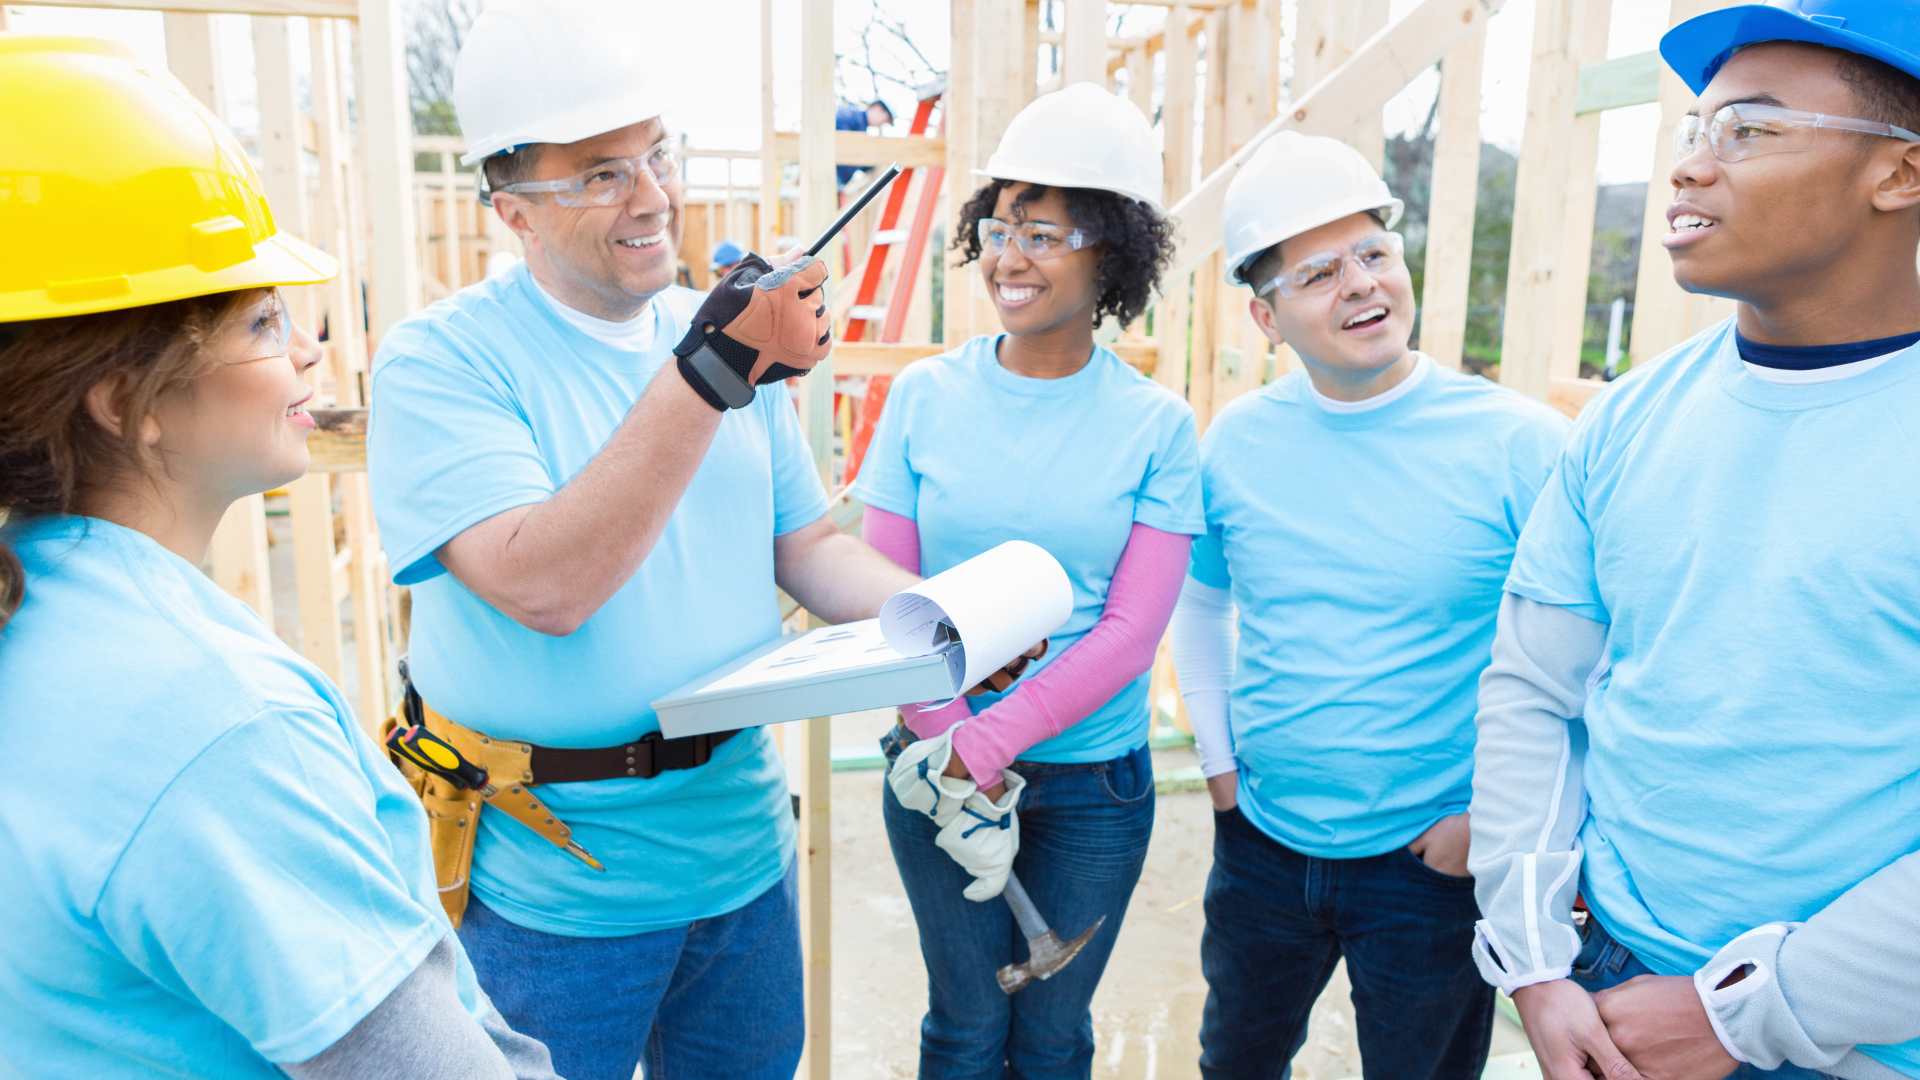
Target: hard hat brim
x=278, y=260
x=1697, y=48
x=1237, y=263
x=1060, y=180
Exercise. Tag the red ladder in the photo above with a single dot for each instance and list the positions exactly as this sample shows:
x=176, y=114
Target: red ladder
x=893, y=316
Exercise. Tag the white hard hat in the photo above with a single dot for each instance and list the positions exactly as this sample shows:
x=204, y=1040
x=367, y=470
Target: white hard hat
x=1081, y=137
x=553, y=72
x=1293, y=183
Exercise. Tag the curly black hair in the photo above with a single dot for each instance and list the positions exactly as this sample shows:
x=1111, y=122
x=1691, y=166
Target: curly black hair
x=1135, y=241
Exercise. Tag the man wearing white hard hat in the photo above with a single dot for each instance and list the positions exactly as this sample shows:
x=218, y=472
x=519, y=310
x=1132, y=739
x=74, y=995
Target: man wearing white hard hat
x=592, y=481
x=1702, y=711
x=1361, y=514
x=1039, y=434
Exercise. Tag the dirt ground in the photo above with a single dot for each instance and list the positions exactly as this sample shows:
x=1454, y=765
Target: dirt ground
x=1147, y=1014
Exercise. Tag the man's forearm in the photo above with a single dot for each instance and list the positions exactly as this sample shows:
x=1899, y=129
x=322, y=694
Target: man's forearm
x=1528, y=798
x=837, y=577
x=551, y=565
x=1811, y=992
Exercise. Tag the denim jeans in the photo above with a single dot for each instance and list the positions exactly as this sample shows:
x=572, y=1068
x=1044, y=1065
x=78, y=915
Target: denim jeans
x=1604, y=962
x=717, y=999
x=1083, y=840
x=1277, y=923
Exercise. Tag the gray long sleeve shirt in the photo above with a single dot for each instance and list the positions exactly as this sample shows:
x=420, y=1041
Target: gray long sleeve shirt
x=1814, y=990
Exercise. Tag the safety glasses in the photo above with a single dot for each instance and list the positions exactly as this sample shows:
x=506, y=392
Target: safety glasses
x=1381, y=253
x=269, y=330
x=1037, y=240
x=607, y=183
x=1742, y=131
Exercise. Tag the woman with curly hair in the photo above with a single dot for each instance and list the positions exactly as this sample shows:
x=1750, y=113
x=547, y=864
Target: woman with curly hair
x=1037, y=433
x=210, y=869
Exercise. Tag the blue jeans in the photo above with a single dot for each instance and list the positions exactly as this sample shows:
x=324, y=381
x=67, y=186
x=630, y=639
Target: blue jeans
x=1277, y=923
x=1604, y=962
x=1083, y=841
x=718, y=998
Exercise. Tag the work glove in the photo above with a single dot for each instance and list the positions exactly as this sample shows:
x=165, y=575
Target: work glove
x=984, y=837
x=918, y=779
x=759, y=325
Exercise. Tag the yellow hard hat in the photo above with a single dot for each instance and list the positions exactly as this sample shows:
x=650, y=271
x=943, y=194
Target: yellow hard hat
x=118, y=189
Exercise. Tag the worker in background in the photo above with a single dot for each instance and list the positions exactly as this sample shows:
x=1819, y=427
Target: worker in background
x=1361, y=514
x=873, y=116
x=726, y=256
x=1036, y=433
x=210, y=869
x=593, y=482
x=1702, y=714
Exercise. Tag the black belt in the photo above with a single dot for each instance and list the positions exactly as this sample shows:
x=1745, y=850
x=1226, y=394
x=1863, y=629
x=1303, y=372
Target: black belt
x=644, y=758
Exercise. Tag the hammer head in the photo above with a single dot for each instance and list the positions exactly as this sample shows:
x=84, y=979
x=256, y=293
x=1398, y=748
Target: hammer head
x=1046, y=955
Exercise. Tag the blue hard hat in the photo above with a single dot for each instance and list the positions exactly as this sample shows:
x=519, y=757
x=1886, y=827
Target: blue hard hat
x=1884, y=30
x=726, y=254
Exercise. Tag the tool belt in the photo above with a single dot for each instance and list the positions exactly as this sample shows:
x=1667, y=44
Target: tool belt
x=501, y=773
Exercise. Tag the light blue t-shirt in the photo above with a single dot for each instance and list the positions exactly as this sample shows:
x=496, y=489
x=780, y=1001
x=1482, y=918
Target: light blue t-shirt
x=208, y=865
x=977, y=455
x=1754, y=549
x=488, y=401
x=1365, y=552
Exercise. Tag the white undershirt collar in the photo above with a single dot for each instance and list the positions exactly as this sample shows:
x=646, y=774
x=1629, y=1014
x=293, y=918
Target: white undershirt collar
x=1421, y=362
x=1796, y=377
x=633, y=335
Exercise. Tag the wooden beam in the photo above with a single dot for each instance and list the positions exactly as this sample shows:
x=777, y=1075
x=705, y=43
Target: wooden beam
x=1196, y=23
x=1177, y=118
x=818, y=199
x=1362, y=85
x=1456, y=186
x=1663, y=313
x=1329, y=32
x=957, y=298
x=190, y=57
x=1252, y=93
x=856, y=148
x=1618, y=83
x=1083, y=50
x=313, y=9
x=1553, y=203
x=1571, y=395
x=386, y=126
x=770, y=165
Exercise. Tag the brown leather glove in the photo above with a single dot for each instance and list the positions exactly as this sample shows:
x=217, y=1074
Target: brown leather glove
x=759, y=325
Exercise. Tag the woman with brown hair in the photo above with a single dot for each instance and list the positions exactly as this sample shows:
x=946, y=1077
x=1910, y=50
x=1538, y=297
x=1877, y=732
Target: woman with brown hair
x=210, y=869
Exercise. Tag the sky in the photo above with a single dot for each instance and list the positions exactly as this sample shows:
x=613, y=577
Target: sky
x=717, y=53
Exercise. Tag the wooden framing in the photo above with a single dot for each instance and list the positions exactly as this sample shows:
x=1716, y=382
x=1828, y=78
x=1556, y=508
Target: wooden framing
x=1553, y=201
x=1456, y=187
x=1211, y=76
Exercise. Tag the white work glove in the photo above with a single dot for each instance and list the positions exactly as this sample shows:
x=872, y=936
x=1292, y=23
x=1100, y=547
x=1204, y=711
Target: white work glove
x=984, y=837
x=918, y=779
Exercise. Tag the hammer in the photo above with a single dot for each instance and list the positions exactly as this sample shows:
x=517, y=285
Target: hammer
x=1046, y=953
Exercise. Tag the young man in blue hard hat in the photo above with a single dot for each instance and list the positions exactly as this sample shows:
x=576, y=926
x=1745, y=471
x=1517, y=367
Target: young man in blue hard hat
x=1360, y=515
x=1702, y=714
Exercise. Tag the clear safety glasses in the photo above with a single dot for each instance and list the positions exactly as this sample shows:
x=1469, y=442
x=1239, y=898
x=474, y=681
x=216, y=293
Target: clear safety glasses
x=1036, y=240
x=269, y=330
x=605, y=184
x=1746, y=130
x=1378, y=254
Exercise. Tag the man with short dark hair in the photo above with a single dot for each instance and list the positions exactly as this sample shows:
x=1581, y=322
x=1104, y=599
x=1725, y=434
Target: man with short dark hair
x=1702, y=712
